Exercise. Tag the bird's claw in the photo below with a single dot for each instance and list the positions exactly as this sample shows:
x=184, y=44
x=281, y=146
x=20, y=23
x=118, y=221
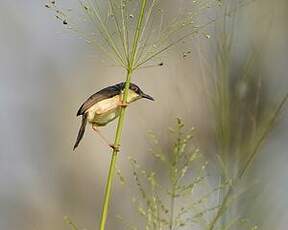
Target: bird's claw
x=123, y=104
x=116, y=148
x=94, y=127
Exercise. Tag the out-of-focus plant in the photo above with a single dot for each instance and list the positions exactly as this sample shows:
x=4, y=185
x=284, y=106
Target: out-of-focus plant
x=241, y=111
x=131, y=33
x=181, y=196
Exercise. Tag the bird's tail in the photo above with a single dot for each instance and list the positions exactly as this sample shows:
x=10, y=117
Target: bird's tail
x=81, y=131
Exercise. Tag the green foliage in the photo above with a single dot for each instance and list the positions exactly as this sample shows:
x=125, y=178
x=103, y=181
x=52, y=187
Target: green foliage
x=237, y=93
x=182, y=196
x=241, y=110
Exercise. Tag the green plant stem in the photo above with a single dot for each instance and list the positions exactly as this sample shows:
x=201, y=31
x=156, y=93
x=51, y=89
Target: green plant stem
x=222, y=208
x=263, y=135
x=112, y=168
x=172, y=207
x=137, y=34
x=117, y=140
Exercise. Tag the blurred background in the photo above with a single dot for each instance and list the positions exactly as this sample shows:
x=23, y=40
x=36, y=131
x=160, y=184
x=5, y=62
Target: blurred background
x=47, y=72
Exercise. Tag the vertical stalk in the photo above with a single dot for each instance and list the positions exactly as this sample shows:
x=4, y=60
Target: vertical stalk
x=112, y=167
x=222, y=208
x=137, y=34
x=117, y=140
x=172, y=206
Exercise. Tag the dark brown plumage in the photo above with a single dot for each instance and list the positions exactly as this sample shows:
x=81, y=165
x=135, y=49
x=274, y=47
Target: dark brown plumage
x=103, y=94
x=81, y=131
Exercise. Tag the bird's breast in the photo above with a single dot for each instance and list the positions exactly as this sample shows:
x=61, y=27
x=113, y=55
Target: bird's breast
x=104, y=111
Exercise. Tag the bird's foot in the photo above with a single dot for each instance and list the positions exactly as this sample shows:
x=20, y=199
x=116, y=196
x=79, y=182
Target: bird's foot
x=94, y=127
x=123, y=104
x=115, y=148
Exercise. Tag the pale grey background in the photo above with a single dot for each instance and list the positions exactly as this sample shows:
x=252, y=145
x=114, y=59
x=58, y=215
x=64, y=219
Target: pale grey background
x=45, y=74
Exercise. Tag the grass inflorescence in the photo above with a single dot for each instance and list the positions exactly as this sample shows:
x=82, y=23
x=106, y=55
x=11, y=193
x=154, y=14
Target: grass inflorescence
x=182, y=196
x=132, y=33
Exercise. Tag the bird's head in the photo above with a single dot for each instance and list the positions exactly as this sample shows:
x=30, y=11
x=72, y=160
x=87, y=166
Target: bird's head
x=135, y=93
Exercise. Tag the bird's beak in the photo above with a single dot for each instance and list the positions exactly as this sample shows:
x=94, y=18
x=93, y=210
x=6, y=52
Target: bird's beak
x=147, y=97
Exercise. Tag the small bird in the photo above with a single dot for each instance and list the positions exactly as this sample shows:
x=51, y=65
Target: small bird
x=104, y=106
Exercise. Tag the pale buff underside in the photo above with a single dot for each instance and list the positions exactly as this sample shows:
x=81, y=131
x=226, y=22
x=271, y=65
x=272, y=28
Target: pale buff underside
x=107, y=110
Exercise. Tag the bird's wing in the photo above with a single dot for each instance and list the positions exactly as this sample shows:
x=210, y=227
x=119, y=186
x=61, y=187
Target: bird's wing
x=105, y=93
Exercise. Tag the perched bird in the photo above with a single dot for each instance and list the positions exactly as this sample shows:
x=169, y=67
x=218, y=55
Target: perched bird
x=104, y=106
